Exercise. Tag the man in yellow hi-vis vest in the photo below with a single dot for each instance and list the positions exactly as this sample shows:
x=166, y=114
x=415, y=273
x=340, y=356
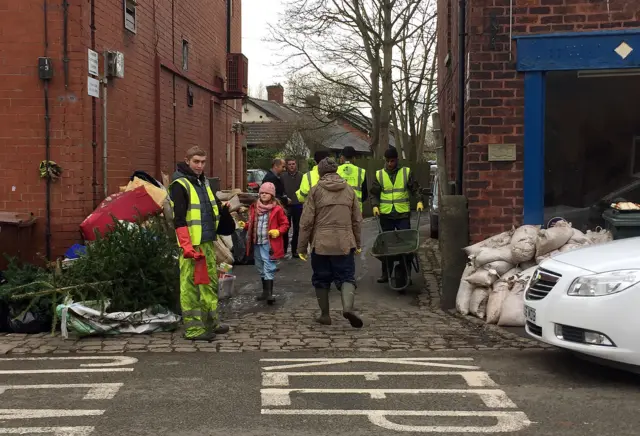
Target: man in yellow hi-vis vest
x=310, y=179
x=355, y=176
x=196, y=214
x=390, y=197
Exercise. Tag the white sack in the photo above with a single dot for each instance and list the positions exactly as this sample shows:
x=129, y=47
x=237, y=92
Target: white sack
x=494, y=242
x=526, y=265
x=599, y=236
x=525, y=275
x=511, y=274
x=552, y=239
x=513, y=307
x=499, y=266
x=488, y=255
x=523, y=243
x=497, y=296
x=570, y=247
x=464, y=291
x=228, y=241
x=478, y=303
x=483, y=277
x=579, y=238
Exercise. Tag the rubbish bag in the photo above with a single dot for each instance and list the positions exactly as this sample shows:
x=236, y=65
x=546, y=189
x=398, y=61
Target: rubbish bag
x=240, y=257
x=4, y=317
x=29, y=322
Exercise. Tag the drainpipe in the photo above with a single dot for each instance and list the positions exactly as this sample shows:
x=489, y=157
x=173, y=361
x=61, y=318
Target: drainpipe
x=105, y=172
x=47, y=136
x=229, y=25
x=65, y=42
x=462, y=21
x=94, y=118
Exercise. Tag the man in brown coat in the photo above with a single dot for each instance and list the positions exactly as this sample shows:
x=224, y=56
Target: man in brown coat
x=331, y=221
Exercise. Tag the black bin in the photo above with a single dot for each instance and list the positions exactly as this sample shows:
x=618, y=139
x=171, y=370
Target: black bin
x=622, y=224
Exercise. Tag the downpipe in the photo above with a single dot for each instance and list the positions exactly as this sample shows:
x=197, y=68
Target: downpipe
x=47, y=136
x=105, y=153
x=462, y=72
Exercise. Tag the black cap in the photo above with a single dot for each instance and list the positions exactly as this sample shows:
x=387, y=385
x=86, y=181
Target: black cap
x=319, y=155
x=349, y=152
x=391, y=153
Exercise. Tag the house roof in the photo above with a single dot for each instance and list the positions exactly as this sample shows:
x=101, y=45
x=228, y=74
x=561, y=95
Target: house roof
x=271, y=133
x=336, y=137
x=276, y=110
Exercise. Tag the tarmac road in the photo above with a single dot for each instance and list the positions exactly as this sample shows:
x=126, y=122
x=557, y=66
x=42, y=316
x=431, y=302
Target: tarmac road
x=183, y=394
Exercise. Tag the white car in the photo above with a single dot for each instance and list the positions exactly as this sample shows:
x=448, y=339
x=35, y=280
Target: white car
x=588, y=301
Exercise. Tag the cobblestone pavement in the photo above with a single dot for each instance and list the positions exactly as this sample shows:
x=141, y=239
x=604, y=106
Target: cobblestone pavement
x=393, y=322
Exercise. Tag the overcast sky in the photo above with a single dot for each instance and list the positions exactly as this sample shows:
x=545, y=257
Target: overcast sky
x=256, y=14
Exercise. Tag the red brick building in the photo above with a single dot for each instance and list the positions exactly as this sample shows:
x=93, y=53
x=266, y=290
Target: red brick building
x=545, y=129
x=181, y=88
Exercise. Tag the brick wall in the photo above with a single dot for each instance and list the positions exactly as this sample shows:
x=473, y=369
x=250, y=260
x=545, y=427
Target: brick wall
x=161, y=27
x=494, y=110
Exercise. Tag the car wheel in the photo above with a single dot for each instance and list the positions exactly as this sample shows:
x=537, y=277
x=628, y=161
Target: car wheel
x=433, y=230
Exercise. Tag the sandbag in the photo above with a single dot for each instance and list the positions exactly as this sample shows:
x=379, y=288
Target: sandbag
x=512, y=313
x=483, y=277
x=228, y=242
x=493, y=242
x=464, y=291
x=570, y=247
x=488, y=255
x=223, y=254
x=599, y=236
x=227, y=195
x=497, y=296
x=552, y=239
x=526, y=274
x=478, y=302
x=499, y=266
x=579, y=238
x=511, y=273
x=523, y=243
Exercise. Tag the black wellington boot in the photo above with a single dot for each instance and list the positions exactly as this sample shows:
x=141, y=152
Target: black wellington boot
x=263, y=296
x=322, y=295
x=270, y=297
x=348, y=296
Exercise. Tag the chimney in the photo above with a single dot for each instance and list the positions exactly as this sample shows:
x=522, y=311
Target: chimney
x=275, y=93
x=313, y=101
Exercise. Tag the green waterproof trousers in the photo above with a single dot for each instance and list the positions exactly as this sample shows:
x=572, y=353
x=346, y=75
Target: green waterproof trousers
x=199, y=303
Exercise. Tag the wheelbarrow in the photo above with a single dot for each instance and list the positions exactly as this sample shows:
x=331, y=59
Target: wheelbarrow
x=397, y=249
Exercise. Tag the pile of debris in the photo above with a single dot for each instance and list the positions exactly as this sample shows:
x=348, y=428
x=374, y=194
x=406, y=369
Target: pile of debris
x=500, y=267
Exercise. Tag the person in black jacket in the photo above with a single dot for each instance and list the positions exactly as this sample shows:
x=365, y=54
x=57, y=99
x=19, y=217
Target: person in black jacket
x=198, y=218
x=273, y=176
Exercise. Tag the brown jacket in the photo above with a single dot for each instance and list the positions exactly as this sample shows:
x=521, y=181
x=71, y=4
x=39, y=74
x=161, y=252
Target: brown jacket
x=331, y=218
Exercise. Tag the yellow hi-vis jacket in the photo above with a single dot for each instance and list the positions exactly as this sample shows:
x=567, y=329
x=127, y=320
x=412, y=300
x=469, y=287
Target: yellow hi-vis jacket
x=309, y=180
x=354, y=176
x=194, y=210
x=394, y=195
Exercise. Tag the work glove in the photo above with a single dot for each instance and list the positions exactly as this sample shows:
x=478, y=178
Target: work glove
x=358, y=250
x=241, y=224
x=184, y=240
x=420, y=206
x=302, y=257
x=376, y=211
x=275, y=233
x=201, y=272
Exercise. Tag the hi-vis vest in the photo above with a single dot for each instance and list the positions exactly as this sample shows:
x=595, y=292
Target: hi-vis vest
x=394, y=195
x=194, y=210
x=309, y=180
x=354, y=176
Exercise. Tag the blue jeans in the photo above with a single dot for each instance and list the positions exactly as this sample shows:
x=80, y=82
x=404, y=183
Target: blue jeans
x=333, y=269
x=265, y=266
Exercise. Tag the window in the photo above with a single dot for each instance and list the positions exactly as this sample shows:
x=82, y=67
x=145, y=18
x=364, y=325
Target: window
x=185, y=55
x=130, y=15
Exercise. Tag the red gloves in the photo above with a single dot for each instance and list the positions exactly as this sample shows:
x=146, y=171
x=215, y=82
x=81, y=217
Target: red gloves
x=184, y=240
x=201, y=272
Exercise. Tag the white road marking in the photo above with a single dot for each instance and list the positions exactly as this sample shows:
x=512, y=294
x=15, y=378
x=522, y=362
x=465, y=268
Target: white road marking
x=45, y=413
x=97, y=391
x=418, y=361
x=507, y=421
x=116, y=360
x=473, y=378
x=62, y=371
x=493, y=398
x=56, y=431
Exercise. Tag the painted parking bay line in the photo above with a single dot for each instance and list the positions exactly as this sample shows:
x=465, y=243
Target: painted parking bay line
x=506, y=421
x=55, y=431
x=96, y=364
x=472, y=378
x=96, y=391
x=418, y=361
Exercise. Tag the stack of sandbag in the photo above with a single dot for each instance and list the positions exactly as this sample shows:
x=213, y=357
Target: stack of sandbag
x=499, y=268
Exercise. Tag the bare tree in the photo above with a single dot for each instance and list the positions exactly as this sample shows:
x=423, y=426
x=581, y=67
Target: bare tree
x=259, y=91
x=415, y=87
x=350, y=44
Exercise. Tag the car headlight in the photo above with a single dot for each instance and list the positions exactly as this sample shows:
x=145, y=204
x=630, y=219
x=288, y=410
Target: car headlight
x=607, y=283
